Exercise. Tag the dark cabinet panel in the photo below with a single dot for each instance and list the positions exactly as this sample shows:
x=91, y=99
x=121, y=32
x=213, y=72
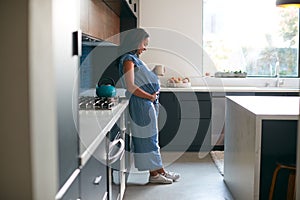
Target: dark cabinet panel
x=103, y=176
x=119, y=6
x=276, y=94
x=71, y=188
x=94, y=180
x=184, y=121
x=279, y=144
x=193, y=96
x=73, y=191
x=240, y=93
x=168, y=121
x=195, y=109
x=190, y=136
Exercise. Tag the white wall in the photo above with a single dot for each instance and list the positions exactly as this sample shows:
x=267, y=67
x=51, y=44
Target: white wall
x=175, y=29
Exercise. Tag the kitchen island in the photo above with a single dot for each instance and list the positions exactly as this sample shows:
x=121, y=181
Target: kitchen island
x=259, y=131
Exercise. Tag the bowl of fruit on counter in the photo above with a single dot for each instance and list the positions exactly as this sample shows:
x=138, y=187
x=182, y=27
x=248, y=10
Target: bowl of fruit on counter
x=179, y=82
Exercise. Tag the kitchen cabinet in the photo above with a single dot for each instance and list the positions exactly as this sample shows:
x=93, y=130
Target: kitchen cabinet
x=94, y=176
x=66, y=64
x=134, y=7
x=218, y=116
x=106, y=19
x=102, y=61
x=118, y=6
x=99, y=21
x=184, y=121
x=278, y=144
x=71, y=188
x=103, y=174
x=84, y=15
x=217, y=120
x=102, y=151
x=128, y=17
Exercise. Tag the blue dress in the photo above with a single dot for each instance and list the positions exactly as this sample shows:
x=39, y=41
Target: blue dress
x=143, y=115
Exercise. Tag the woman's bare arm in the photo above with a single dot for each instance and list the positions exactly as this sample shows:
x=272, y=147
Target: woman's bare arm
x=129, y=80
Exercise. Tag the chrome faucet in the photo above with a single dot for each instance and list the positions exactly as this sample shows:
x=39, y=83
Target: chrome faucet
x=279, y=81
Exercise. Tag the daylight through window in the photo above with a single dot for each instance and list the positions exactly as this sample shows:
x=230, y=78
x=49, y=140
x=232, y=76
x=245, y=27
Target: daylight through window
x=252, y=36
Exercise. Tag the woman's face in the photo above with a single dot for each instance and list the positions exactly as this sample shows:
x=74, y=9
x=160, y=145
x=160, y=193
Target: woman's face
x=142, y=46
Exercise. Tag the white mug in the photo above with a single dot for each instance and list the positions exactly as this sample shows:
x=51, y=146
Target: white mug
x=159, y=70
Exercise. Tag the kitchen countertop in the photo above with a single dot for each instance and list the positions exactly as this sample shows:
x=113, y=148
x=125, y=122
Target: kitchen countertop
x=93, y=127
x=263, y=107
x=121, y=91
x=230, y=89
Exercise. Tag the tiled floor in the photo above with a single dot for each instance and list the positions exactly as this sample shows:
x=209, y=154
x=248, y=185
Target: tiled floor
x=200, y=179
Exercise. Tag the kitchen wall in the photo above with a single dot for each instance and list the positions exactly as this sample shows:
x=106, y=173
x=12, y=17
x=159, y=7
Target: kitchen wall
x=175, y=30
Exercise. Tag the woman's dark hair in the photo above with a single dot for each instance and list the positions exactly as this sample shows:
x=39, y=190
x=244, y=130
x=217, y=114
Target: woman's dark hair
x=131, y=39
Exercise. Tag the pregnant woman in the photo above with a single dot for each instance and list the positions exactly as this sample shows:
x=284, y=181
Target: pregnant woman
x=142, y=90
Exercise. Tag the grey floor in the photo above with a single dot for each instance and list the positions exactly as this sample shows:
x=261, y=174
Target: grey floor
x=200, y=179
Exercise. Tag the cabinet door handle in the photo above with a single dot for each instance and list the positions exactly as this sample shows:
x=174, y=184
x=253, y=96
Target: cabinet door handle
x=76, y=43
x=97, y=180
x=116, y=156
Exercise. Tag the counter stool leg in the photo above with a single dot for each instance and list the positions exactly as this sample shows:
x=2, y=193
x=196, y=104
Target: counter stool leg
x=274, y=182
x=291, y=186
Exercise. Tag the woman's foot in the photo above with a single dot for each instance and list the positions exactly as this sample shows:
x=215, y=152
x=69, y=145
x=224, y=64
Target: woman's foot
x=159, y=178
x=171, y=175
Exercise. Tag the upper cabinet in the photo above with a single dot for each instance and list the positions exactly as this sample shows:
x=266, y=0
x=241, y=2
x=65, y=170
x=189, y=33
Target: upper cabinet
x=119, y=6
x=99, y=21
x=134, y=6
x=105, y=19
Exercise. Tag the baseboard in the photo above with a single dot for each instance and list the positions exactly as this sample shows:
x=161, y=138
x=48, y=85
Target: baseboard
x=218, y=148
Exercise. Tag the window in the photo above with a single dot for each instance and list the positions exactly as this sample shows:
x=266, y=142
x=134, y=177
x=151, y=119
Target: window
x=252, y=36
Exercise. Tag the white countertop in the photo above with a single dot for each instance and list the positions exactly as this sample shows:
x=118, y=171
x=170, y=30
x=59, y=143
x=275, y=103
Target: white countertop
x=274, y=107
x=229, y=89
x=94, y=125
x=121, y=91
